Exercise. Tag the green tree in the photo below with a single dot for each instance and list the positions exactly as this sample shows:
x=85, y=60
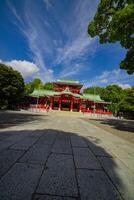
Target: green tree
x=28, y=88
x=115, y=95
x=48, y=86
x=11, y=86
x=114, y=21
x=127, y=105
x=94, y=90
x=34, y=84
x=37, y=83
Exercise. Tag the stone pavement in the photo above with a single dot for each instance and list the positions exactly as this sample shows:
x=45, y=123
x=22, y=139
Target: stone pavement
x=62, y=157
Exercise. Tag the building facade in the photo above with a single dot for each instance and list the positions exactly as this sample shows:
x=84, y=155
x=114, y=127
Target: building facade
x=66, y=95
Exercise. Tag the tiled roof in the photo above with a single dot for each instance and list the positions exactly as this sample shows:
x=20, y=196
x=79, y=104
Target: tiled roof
x=92, y=97
x=68, y=81
x=41, y=93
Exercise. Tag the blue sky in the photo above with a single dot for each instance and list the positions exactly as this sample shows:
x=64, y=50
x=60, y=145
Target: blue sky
x=48, y=39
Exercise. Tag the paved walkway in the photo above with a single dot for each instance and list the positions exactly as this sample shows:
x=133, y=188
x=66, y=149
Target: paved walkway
x=58, y=157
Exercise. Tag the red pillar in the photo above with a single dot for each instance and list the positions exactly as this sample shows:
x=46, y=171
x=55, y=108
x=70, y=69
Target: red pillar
x=60, y=104
x=71, y=105
x=51, y=103
x=80, y=102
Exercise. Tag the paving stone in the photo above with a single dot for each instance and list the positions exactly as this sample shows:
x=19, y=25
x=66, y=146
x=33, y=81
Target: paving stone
x=62, y=145
x=10, y=141
x=95, y=185
x=78, y=141
x=4, y=136
x=8, y=158
x=20, y=182
x=37, y=154
x=120, y=175
x=129, y=163
x=119, y=152
x=99, y=150
x=48, y=138
x=25, y=143
x=84, y=158
x=49, y=197
x=59, y=176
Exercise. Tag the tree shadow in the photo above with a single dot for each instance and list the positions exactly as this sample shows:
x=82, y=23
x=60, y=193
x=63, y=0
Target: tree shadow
x=122, y=125
x=53, y=164
x=12, y=118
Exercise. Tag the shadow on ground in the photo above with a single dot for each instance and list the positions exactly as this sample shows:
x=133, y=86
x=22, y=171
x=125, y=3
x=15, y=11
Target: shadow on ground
x=53, y=165
x=122, y=125
x=8, y=119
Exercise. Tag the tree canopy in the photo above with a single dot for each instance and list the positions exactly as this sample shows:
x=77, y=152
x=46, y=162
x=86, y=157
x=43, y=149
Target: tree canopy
x=34, y=84
x=94, y=90
x=114, y=21
x=120, y=99
x=37, y=84
x=48, y=86
x=11, y=86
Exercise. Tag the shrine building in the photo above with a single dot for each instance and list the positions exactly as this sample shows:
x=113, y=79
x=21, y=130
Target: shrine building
x=66, y=96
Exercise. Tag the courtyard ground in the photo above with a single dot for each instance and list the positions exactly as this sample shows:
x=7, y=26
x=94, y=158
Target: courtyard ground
x=44, y=157
x=121, y=128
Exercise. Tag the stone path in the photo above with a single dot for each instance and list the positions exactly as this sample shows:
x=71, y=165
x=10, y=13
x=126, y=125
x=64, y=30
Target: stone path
x=58, y=157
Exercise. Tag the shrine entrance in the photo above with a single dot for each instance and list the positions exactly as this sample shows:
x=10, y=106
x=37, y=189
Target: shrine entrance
x=56, y=105
x=65, y=105
x=76, y=106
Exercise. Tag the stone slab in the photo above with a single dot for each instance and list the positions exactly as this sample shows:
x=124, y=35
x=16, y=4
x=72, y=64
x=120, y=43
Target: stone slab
x=20, y=182
x=25, y=144
x=7, y=158
x=37, y=154
x=48, y=137
x=59, y=176
x=99, y=150
x=129, y=163
x=120, y=175
x=4, y=136
x=95, y=185
x=84, y=158
x=62, y=145
x=49, y=197
x=78, y=141
x=10, y=141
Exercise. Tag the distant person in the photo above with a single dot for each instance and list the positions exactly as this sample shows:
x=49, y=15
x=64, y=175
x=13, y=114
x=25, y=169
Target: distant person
x=47, y=109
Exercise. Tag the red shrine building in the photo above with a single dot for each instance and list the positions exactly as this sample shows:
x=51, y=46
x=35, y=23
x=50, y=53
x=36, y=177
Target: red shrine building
x=66, y=96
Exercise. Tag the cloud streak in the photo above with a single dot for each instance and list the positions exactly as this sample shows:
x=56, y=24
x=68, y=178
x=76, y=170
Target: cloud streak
x=49, y=50
x=115, y=76
x=79, y=43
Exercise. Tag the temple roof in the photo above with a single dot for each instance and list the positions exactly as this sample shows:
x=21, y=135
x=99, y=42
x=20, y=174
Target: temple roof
x=67, y=91
x=92, y=97
x=68, y=81
x=42, y=92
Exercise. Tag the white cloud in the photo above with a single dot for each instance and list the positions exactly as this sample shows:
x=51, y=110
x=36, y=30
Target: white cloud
x=115, y=76
x=71, y=70
x=104, y=81
x=32, y=27
x=25, y=67
x=124, y=86
x=47, y=3
x=79, y=42
x=62, y=41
